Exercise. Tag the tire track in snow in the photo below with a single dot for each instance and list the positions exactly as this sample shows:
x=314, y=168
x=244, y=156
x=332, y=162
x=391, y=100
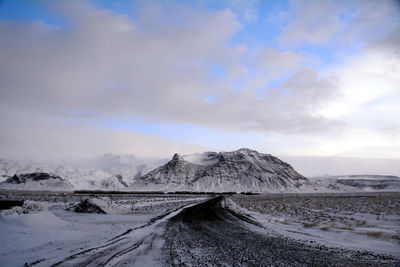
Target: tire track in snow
x=120, y=245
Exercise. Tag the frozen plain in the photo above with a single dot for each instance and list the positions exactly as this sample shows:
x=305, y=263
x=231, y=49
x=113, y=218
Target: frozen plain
x=165, y=230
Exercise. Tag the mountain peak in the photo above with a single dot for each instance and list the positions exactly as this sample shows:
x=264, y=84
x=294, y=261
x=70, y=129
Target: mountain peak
x=177, y=157
x=246, y=150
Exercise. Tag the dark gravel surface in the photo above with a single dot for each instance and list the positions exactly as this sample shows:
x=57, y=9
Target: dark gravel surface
x=209, y=234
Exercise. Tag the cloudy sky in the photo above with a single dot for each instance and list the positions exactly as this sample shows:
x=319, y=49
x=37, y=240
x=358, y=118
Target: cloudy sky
x=290, y=78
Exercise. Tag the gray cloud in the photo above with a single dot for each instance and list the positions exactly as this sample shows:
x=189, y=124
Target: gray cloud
x=325, y=22
x=157, y=67
x=316, y=22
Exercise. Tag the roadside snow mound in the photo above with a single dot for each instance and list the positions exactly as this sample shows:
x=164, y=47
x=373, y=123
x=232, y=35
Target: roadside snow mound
x=28, y=207
x=102, y=205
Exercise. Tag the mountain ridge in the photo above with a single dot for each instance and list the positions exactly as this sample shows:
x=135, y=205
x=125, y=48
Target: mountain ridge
x=240, y=170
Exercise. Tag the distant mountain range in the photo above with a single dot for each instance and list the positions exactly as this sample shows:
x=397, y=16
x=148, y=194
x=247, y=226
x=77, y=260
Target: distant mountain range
x=243, y=170
x=359, y=182
x=108, y=172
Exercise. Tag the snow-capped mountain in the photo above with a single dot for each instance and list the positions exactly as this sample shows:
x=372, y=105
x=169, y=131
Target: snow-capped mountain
x=108, y=172
x=241, y=170
x=359, y=182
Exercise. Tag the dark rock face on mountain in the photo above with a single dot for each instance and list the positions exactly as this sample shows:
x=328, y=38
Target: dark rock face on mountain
x=241, y=170
x=36, y=181
x=120, y=179
x=36, y=176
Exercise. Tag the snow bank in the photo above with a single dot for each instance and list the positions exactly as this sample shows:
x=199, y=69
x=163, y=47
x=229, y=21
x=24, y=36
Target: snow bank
x=27, y=207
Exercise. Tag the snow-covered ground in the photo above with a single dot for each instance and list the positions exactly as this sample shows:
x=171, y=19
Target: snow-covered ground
x=368, y=222
x=46, y=236
x=132, y=231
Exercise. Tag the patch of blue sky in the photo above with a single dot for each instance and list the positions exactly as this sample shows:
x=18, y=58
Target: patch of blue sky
x=239, y=85
x=266, y=28
x=211, y=99
x=341, y=44
x=217, y=72
x=28, y=11
x=120, y=7
x=276, y=83
x=326, y=55
x=287, y=92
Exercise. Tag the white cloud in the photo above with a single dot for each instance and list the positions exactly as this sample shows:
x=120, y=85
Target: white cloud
x=365, y=81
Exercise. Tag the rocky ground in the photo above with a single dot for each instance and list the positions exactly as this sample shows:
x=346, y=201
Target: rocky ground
x=210, y=234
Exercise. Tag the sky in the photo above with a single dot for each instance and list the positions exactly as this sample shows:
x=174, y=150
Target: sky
x=290, y=78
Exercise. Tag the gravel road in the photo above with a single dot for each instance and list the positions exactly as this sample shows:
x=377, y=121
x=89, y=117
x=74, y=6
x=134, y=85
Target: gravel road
x=210, y=234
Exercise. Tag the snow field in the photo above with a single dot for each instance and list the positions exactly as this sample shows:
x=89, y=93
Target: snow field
x=369, y=223
x=46, y=235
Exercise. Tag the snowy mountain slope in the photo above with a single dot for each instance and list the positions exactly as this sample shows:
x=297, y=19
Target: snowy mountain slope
x=108, y=172
x=359, y=182
x=129, y=167
x=241, y=170
x=36, y=181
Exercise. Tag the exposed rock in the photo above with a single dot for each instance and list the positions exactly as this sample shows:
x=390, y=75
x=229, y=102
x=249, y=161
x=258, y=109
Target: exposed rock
x=89, y=206
x=28, y=207
x=119, y=178
x=36, y=176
